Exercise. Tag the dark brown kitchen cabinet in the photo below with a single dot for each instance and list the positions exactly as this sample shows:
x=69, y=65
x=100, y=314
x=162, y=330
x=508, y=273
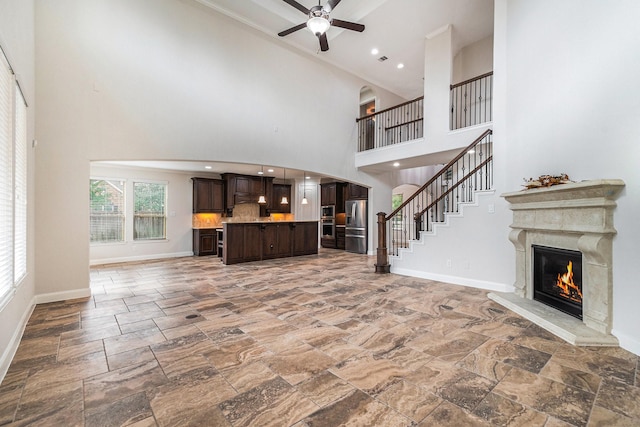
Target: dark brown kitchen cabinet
x=356, y=192
x=208, y=195
x=246, y=189
x=276, y=240
x=340, y=237
x=280, y=191
x=241, y=243
x=205, y=241
x=332, y=194
x=245, y=242
x=305, y=238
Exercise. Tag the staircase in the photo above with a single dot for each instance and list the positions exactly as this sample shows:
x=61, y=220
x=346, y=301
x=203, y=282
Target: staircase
x=458, y=183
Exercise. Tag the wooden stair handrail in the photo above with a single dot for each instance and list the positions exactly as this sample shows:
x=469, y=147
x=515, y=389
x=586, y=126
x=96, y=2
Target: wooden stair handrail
x=418, y=215
x=471, y=80
x=439, y=174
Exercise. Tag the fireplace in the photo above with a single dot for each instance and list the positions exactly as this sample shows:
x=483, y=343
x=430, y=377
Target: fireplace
x=570, y=227
x=557, y=279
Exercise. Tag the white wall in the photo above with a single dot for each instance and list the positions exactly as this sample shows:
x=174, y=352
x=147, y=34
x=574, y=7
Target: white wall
x=179, y=219
x=473, y=60
x=173, y=80
x=17, y=41
x=573, y=105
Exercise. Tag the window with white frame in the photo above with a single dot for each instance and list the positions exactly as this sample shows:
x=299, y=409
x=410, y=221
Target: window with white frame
x=13, y=181
x=149, y=213
x=107, y=214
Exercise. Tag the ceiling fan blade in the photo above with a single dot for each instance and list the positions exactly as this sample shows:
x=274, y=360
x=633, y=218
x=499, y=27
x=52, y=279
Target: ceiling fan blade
x=292, y=29
x=331, y=4
x=324, y=44
x=348, y=25
x=298, y=6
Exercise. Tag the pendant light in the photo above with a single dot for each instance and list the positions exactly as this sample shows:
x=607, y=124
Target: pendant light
x=284, y=200
x=304, y=184
x=261, y=199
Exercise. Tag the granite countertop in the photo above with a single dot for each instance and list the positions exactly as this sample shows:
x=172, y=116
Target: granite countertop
x=268, y=222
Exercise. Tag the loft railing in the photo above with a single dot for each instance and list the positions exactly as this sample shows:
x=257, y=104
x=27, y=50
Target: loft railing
x=457, y=182
x=471, y=102
x=391, y=126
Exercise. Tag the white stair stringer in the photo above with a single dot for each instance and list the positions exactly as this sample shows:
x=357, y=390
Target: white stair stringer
x=438, y=255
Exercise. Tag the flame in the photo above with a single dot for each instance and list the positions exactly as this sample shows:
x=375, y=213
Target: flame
x=569, y=289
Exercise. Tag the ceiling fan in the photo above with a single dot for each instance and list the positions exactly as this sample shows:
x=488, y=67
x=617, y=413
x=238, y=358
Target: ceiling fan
x=319, y=21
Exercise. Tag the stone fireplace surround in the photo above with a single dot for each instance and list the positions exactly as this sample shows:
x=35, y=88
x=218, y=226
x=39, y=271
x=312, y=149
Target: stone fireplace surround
x=576, y=216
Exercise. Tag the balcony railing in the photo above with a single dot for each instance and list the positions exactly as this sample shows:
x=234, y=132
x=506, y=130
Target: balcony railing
x=391, y=126
x=471, y=102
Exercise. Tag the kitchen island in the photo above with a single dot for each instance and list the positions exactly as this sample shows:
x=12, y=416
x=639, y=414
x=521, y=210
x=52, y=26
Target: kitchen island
x=259, y=240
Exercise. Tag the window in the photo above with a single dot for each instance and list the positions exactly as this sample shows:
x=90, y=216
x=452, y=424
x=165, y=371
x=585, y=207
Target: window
x=13, y=181
x=107, y=211
x=396, y=201
x=149, y=216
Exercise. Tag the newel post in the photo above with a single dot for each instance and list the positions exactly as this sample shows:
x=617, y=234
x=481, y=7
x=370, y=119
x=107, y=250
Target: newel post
x=382, y=261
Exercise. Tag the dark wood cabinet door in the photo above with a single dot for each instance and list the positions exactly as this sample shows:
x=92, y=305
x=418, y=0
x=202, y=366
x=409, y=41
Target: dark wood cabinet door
x=217, y=195
x=357, y=192
x=205, y=242
x=252, y=242
x=233, y=249
x=269, y=241
x=208, y=195
x=280, y=191
x=328, y=194
x=305, y=238
x=284, y=240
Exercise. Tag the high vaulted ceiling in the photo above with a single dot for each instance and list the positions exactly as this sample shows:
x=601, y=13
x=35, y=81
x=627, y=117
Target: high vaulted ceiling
x=397, y=28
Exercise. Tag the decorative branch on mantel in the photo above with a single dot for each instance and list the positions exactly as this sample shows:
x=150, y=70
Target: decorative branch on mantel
x=546, y=181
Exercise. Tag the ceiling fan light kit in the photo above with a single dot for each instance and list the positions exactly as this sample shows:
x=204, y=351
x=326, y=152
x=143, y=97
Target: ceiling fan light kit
x=319, y=21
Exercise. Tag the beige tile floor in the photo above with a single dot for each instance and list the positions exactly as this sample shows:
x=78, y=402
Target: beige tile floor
x=309, y=341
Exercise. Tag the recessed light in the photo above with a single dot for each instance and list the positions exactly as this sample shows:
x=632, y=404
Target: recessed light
x=207, y=167
x=260, y=173
x=400, y=66
x=396, y=164
x=270, y=170
x=374, y=51
x=307, y=177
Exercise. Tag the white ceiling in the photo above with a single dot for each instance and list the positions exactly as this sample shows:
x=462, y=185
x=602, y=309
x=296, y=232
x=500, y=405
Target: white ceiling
x=397, y=28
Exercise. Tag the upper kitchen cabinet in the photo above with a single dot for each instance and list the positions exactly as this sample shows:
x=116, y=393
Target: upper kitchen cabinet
x=208, y=195
x=356, y=192
x=280, y=191
x=246, y=189
x=332, y=194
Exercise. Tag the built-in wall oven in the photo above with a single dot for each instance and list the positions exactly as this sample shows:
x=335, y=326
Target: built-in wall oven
x=328, y=228
x=328, y=221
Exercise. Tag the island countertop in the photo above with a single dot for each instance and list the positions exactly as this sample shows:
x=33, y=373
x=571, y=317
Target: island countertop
x=260, y=240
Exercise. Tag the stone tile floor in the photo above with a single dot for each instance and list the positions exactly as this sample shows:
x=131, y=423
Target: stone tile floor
x=309, y=341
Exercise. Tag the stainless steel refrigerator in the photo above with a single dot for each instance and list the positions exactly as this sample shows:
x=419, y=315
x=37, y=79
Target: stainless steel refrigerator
x=356, y=226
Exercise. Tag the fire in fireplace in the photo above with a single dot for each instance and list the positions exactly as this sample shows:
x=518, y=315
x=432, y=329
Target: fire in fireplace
x=557, y=279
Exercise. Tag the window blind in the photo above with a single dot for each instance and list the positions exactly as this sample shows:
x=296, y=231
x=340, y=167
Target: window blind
x=6, y=178
x=20, y=188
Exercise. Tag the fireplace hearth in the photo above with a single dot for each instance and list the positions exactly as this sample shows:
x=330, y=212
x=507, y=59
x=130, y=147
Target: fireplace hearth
x=557, y=279
x=571, y=227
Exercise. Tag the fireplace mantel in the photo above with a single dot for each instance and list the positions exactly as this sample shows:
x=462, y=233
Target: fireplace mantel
x=575, y=216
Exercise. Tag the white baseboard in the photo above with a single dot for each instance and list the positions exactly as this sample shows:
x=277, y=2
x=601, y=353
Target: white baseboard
x=7, y=355
x=454, y=280
x=138, y=258
x=627, y=342
x=62, y=296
